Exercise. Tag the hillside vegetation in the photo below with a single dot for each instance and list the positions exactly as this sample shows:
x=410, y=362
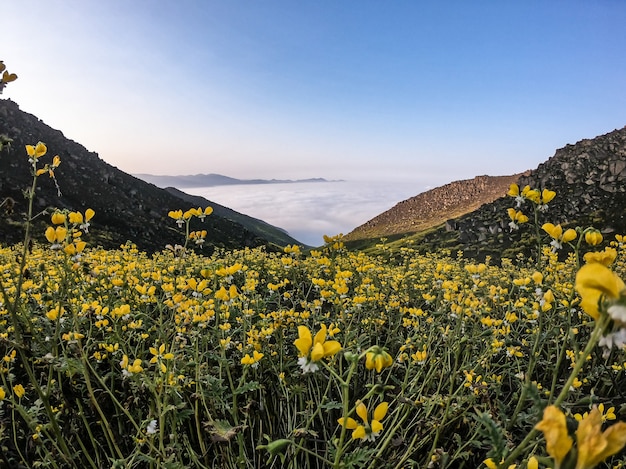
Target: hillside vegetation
x=250, y=359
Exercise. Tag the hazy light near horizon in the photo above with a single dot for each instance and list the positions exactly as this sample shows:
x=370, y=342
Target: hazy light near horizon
x=308, y=211
x=341, y=90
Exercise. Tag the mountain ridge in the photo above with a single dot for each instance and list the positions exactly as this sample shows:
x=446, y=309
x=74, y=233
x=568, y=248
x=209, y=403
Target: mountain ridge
x=433, y=207
x=127, y=208
x=589, y=178
x=212, y=180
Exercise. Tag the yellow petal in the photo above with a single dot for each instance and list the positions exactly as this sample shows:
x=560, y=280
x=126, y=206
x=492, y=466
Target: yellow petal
x=513, y=190
x=590, y=301
x=521, y=218
x=359, y=433
x=304, y=342
x=361, y=411
x=317, y=353
x=554, y=428
x=569, y=235
x=593, y=238
x=58, y=218
x=331, y=347
x=320, y=337
x=589, y=439
x=75, y=217
x=350, y=423
x=381, y=410
x=533, y=195
x=50, y=234
x=89, y=213
x=40, y=149
x=555, y=232
x=376, y=426
x=8, y=77
x=380, y=362
x=547, y=196
x=512, y=212
x=598, y=277
x=60, y=233
x=370, y=362
x=532, y=461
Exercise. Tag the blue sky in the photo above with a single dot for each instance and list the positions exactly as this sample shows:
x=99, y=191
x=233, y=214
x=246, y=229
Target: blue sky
x=431, y=90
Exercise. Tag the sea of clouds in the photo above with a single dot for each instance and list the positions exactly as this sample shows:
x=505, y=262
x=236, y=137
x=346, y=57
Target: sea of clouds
x=310, y=210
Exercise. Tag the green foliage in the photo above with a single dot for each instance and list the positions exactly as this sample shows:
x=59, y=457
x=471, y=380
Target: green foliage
x=254, y=359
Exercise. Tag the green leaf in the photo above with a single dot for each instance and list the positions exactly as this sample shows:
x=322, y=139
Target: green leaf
x=251, y=386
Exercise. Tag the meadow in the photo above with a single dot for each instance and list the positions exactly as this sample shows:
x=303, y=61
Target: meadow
x=320, y=359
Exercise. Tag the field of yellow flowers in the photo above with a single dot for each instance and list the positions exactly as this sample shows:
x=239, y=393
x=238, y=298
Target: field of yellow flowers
x=323, y=359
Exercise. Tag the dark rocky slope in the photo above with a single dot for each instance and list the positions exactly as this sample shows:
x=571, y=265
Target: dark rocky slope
x=127, y=208
x=589, y=178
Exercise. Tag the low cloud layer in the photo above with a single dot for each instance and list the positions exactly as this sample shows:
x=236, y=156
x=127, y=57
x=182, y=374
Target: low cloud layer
x=308, y=211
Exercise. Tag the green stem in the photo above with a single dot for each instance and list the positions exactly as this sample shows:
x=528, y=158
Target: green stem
x=529, y=372
x=345, y=400
x=596, y=334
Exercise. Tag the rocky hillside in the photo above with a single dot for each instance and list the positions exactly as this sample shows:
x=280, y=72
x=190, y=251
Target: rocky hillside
x=127, y=208
x=434, y=207
x=589, y=178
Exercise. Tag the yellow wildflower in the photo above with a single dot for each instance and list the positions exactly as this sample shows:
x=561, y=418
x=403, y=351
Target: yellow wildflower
x=593, y=237
x=58, y=218
x=19, y=391
x=513, y=190
x=368, y=431
x=36, y=151
x=491, y=464
x=558, y=236
x=130, y=368
x=56, y=236
x=597, y=285
x=252, y=360
x=313, y=349
x=158, y=355
x=606, y=257
x=75, y=217
x=594, y=445
x=547, y=196
x=517, y=218
x=377, y=358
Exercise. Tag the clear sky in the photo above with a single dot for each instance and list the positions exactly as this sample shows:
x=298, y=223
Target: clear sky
x=358, y=89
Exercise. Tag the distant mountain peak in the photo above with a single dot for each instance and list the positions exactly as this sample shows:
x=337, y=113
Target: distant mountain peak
x=212, y=179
